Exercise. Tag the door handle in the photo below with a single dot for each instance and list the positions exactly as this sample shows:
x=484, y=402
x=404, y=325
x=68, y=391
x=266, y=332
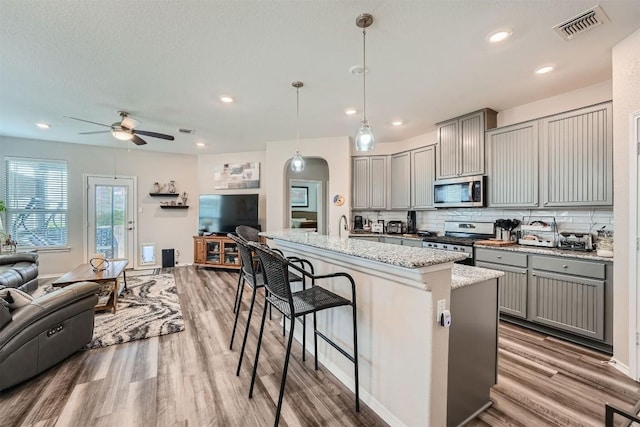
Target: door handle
x=130, y=228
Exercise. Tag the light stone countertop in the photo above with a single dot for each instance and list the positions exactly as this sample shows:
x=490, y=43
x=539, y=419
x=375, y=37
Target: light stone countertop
x=465, y=275
x=401, y=256
x=548, y=251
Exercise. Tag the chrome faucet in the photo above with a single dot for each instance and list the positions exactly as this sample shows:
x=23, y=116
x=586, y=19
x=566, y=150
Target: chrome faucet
x=341, y=227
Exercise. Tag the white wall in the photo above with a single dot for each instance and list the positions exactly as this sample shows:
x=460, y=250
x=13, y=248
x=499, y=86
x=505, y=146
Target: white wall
x=626, y=100
x=335, y=151
x=206, y=168
x=167, y=228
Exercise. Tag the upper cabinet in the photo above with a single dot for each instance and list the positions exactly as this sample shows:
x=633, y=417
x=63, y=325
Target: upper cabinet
x=512, y=166
x=369, y=182
x=423, y=173
x=563, y=160
x=461, y=144
x=400, y=181
x=577, y=156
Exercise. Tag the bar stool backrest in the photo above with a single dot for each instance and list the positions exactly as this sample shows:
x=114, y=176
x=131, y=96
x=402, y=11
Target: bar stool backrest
x=276, y=272
x=245, y=254
x=249, y=234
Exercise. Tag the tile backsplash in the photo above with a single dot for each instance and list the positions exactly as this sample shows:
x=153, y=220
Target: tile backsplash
x=580, y=220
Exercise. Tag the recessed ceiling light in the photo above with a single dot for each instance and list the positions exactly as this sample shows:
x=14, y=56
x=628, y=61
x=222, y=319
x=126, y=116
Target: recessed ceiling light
x=499, y=36
x=397, y=122
x=544, y=70
x=226, y=99
x=200, y=144
x=350, y=111
x=43, y=125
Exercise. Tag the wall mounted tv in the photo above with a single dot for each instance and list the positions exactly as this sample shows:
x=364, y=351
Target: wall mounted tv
x=222, y=213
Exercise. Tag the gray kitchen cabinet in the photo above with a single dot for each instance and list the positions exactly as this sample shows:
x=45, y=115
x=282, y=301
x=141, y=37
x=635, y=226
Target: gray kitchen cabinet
x=412, y=242
x=513, y=286
x=571, y=303
x=423, y=168
x=392, y=240
x=577, y=155
x=512, y=166
x=400, y=181
x=369, y=183
x=367, y=238
x=461, y=144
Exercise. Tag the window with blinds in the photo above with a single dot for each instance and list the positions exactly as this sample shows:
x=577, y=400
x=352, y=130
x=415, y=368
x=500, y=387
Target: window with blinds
x=36, y=202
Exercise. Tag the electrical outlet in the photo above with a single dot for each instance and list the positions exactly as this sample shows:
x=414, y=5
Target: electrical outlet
x=442, y=306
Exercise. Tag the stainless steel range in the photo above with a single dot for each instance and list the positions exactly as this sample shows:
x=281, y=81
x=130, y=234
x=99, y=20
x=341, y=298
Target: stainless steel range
x=459, y=236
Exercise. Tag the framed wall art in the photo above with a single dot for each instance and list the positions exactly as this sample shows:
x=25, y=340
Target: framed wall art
x=231, y=176
x=299, y=197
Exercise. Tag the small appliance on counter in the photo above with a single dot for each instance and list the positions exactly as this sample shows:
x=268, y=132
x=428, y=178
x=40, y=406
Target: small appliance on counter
x=395, y=227
x=539, y=233
x=358, y=225
x=411, y=222
x=576, y=241
x=378, y=227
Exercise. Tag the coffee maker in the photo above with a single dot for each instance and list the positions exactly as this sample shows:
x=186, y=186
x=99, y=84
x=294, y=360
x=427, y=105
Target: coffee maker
x=357, y=223
x=411, y=222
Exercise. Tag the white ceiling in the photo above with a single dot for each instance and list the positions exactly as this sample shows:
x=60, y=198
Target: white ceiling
x=166, y=62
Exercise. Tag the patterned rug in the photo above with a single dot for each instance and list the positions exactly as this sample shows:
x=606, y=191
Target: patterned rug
x=149, y=308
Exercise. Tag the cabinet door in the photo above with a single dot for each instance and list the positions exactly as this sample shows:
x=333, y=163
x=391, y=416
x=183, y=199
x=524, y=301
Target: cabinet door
x=512, y=289
x=378, y=183
x=400, y=181
x=448, y=149
x=512, y=166
x=472, y=144
x=569, y=303
x=577, y=152
x=213, y=250
x=423, y=164
x=199, y=251
x=230, y=251
x=360, y=192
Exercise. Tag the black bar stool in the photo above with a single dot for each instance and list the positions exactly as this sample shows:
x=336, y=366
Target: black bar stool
x=275, y=269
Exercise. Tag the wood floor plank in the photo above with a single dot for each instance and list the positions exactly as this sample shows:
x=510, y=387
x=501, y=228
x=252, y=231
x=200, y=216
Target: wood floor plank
x=188, y=378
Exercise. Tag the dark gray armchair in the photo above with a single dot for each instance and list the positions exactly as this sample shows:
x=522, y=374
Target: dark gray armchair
x=20, y=271
x=50, y=328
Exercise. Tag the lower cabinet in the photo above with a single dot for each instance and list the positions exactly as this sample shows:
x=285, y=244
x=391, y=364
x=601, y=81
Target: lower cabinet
x=215, y=251
x=568, y=297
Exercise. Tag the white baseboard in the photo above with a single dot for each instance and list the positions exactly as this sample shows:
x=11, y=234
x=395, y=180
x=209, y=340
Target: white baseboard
x=620, y=366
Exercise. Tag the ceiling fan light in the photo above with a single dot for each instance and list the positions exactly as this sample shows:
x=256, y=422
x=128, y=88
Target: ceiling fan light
x=297, y=162
x=365, y=141
x=121, y=134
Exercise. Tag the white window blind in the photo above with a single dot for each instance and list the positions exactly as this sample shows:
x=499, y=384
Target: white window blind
x=36, y=202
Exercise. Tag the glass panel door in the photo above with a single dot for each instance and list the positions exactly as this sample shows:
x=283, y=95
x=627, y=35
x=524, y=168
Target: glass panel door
x=110, y=218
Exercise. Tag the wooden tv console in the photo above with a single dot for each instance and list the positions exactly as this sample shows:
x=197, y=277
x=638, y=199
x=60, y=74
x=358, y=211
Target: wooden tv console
x=215, y=251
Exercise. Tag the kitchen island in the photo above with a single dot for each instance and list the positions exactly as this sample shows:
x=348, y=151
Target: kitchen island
x=403, y=351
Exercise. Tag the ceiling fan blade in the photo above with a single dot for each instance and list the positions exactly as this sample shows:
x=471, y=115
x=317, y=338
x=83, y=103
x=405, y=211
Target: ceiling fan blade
x=94, y=132
x=137, y=140
x=153, y=134
x=87, y=121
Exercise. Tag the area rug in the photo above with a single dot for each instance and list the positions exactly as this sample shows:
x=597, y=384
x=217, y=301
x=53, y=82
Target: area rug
x=149, y=308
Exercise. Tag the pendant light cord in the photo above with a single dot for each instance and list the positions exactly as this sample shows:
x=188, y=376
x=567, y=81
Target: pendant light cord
x=298, y=119
x=364, y=75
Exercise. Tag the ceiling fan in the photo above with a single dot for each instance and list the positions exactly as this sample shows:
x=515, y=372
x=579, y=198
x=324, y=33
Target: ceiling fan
x=125, y=130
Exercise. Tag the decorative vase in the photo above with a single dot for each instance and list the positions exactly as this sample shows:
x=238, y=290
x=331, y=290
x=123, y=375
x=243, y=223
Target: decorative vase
x=184, y=198
x=172, y=187
x=156, y=187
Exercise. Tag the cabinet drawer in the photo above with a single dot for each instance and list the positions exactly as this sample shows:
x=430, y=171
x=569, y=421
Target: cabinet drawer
x=501, y=257
x=569, y=266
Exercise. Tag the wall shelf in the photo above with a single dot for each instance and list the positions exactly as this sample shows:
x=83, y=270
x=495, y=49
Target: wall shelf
x=174, y=207
x=164, y=194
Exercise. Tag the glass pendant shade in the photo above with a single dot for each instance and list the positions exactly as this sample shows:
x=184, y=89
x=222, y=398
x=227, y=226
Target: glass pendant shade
x=297, y=162
x=365, y=141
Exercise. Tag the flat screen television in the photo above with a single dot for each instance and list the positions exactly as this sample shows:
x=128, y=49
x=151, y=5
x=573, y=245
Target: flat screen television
x=222, y=213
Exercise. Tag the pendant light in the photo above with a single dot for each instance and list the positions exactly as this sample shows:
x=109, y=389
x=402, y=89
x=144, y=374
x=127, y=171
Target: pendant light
x=365, y=141
x=297, y=162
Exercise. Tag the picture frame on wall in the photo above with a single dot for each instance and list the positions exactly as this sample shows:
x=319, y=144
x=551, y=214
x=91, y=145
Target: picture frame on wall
x=299, y=197
x=233, y=176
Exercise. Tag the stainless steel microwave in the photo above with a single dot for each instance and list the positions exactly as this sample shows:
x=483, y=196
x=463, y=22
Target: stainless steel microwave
x=465, y=192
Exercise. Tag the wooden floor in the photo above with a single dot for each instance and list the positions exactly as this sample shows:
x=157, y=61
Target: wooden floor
x=188, y=378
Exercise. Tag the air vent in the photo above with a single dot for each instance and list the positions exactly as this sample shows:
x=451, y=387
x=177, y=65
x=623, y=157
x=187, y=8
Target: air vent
x=585, y=21
x=187, y=131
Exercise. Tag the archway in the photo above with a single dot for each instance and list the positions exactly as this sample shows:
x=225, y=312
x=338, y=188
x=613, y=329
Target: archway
x=307, y=197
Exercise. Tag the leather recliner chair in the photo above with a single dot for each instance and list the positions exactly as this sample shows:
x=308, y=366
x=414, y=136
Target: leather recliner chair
x=50, y=328
x=19, y=271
